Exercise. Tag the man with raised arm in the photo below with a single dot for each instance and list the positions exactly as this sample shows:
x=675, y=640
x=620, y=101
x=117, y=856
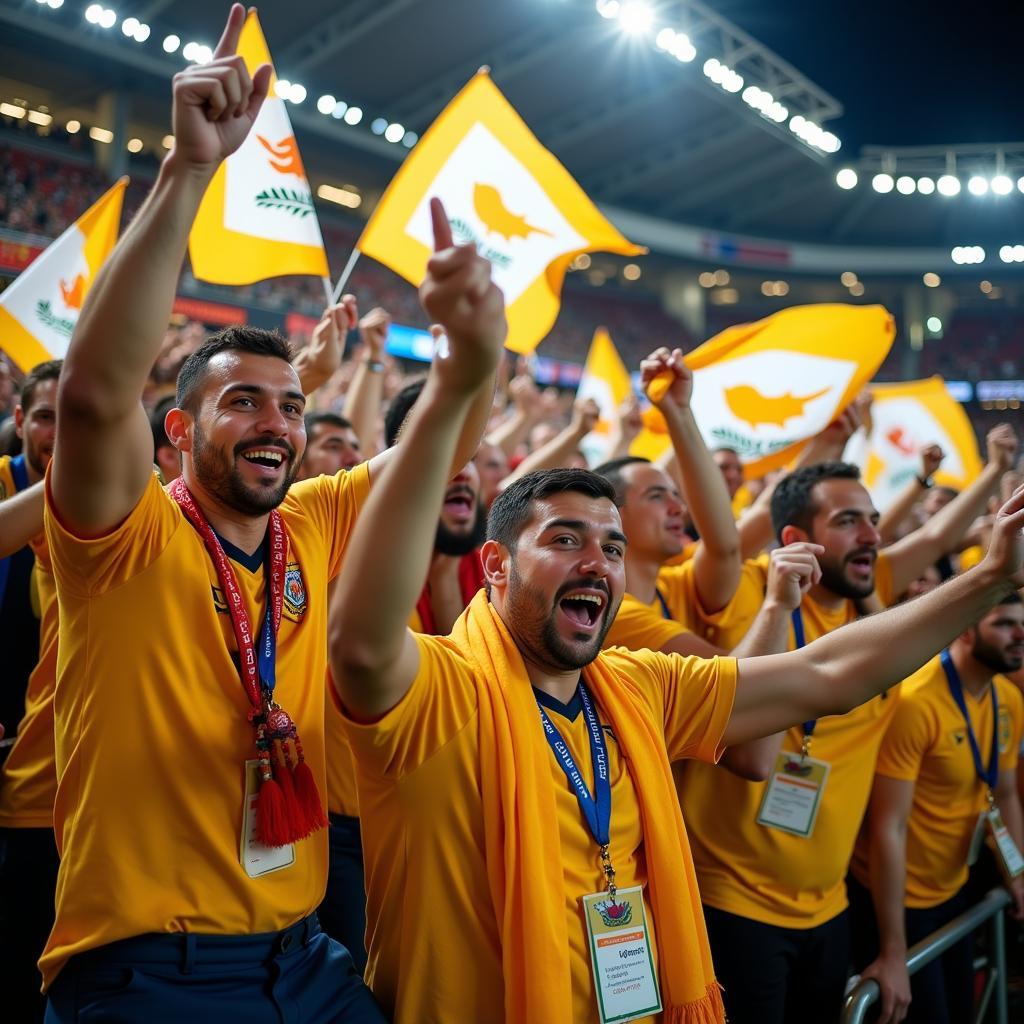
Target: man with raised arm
x=526, y=857
x=189, y=706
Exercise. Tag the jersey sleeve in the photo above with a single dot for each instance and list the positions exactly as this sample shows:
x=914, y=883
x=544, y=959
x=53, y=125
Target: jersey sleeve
x=332, y=503
x=910, y=735
x=726, y=628
x=87, y=566
x=692, y=696
x=440, y=703
x=883, y=581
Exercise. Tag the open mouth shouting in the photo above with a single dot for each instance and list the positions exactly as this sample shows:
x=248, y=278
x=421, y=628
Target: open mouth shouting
x=862, y=564
x=459, y=504
x=584, y=607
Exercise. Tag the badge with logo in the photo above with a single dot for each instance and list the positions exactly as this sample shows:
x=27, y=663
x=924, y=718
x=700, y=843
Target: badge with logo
x=793, y=794
x=295, y=600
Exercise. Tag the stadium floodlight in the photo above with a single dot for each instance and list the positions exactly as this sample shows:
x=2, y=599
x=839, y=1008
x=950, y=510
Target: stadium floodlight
x=107, y=19
x=410, y=139
x=966, y=254
x=665, y=39
x=636, y=18
x=830, y=143
x=326, y=103
x=733, y=82
x=394, y=132
x=846, y=178
x=298, y=93
x=931, y=280
x=73, y=127
x=353, y=115
x=683, y=50
x=848, y=278
x=171, y=43
x=379, y=125
x=54, y=5
x=905, y=185
x=134, y=145
x=857, y=289
x=608, y=8
x=977, y=185
x=882, y=183
x=129, y=25
x=339, y=110
x=282, y=88
x=934, y=324
x=142, y=32
x=948, y=185
x=1002, y=185
x=926, y=186
x=92, y=14
x=1020, y=183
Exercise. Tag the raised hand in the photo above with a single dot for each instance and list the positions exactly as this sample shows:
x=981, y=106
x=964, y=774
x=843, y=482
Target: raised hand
x=328, y=341
x=792, y=571
x=630, y=419
x=1001, y=446
x=525, y=396
x=931, y=458
x=1005, y=556
x=216, y=104
x=459, y=294
x=585, y=414
x=373, y=331
x=675, y=397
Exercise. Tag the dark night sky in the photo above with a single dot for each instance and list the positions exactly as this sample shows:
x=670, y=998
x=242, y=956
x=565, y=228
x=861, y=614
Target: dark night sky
x=907, y=72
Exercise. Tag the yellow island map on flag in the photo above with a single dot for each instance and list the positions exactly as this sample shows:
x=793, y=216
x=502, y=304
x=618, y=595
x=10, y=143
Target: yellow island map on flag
x=257, y=218
x=504, y=192
x=764, y=388
x=39, y=310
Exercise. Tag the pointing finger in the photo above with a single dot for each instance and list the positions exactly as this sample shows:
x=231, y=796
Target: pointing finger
x=232, y=30
x=439, y=222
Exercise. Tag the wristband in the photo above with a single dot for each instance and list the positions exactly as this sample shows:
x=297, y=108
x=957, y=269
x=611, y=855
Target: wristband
x=374, y=365
x=924, y=481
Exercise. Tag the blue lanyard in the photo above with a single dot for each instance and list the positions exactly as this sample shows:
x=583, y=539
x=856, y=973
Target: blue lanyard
x=596, y=807
x=665, y=613
x=956, y=688
x=801, y=640
x=267, y=653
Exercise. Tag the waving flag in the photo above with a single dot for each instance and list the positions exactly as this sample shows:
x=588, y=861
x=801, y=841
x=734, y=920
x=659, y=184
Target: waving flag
x=503, y=191
x=764, y=388
x=39, y=310
x=257, y=218
x=606, y=380
x=906, y=417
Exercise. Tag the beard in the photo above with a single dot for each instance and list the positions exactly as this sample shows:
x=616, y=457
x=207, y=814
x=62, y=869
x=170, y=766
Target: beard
x=450, y=542
x=536, y=632
x=994, y=658
x=834, y=578
x=220, y=476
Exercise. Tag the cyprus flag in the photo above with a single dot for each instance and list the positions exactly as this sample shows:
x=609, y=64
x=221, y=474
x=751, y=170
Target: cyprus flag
x=765, y=388
x=504, y=192
x=906, y=417
x=39, y=310
x=257, y=218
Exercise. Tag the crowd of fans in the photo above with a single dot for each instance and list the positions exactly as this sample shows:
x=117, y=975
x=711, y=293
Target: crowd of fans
x=519, y=739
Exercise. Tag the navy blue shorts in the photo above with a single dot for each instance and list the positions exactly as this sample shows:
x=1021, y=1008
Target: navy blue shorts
x=296, y=976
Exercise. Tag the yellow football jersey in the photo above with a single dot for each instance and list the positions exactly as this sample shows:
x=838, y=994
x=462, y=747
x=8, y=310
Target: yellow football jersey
x=151, y=726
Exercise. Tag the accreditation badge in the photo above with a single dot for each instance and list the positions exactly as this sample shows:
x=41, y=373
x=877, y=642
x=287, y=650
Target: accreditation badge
x=793, y=794
x=1008, y=857
x=256, y=858
x=620, y=955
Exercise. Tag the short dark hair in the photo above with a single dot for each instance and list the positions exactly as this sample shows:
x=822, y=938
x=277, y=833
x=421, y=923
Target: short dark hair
x=239, y=338
x=512, y=508
x=331, y=419
x=50, y=370
x=156, y=422
x=399, y=409
x=1011, y=596
x=793, y=503
x=612, y=472
x=724, y=448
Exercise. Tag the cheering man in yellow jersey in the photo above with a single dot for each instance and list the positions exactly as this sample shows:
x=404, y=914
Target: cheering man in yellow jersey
x=189, y=707
x=772, y=883
x=947, y=761
x=526, y=858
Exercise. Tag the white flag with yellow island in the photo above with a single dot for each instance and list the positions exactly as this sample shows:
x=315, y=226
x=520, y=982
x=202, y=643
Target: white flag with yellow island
x=39, y=310
x=764, y=388
x=504, y=192
x=257, y=218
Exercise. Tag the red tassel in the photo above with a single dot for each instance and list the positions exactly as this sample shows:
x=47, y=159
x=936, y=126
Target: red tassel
x=272, y=820
x=308, y=799
x=292, y=807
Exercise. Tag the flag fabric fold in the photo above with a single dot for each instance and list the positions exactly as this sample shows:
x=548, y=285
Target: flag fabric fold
x=40, y=309
x=257, y=218
x=504, y=192
x=764, y=388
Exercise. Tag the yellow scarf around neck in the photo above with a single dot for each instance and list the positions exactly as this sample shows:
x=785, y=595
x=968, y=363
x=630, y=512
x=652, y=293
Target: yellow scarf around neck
x=523, y=851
